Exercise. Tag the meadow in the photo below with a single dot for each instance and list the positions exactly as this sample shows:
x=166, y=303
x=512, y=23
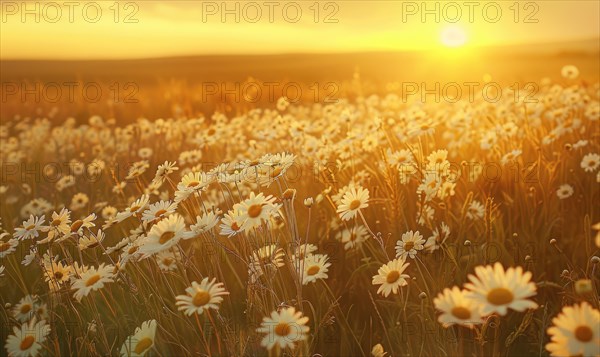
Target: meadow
x=371, y=224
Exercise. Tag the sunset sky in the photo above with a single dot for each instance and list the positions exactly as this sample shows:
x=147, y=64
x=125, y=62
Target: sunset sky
x=152, y=28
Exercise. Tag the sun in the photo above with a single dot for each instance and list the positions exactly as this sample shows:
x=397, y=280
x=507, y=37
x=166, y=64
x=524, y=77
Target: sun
x=453, y=36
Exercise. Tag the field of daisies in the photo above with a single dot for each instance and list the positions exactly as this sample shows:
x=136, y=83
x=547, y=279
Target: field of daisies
x=368, y=226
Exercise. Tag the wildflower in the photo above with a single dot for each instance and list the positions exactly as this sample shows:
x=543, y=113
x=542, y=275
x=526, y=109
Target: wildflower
x=25, y=308
x=158, y=211
x=201, y=297
x=456, y=308
x=498, y=290
x=27, y=339
x=564, y=191
x=283, y=329
x=313, y=267
x=204, y=223
x=163, y=235
x=255, y=210
x=30, y=229
x=92, y=279
x=352, y=202
x=141, y=341
x=590, y=162
x=476, y=210
x=410, y=243
x=575, y=332
x=265, y=260
x=391, y=276
x=136, y=208
x=7, y=246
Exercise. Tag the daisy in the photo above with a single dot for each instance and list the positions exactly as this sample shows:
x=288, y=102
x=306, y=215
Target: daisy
x=200, y=297
x=313, y=267
x=158, y=211
x=164, y=170
x=410, y=243
x=476, y=210
x=274, y=167
x=378, y=351
x=231, y=223
x=8, y=246
x=353, y=237
x=590, y=162
x=141, y=341
x=193, y=182
x=91, y=241
x=109, y=213
x=457, y=309
x=25, y=308
x=57, y=272
x=79, y=200
x=59, y=226
x=92, y=279
x=564, y=191
x=163, y=235
x=569, y=72
x=134, y=209
x=303, y=250
x=498, y=290
x=30, y=229
x=390, y=276
x=438, y=237
x=137, y=169
x=576, y=332
x=352, y=202
x=283, y=329
x=167, y=260
x=131, y=251
x=27, y=339
x=204, y=223
x=77, y=228
x=256, y=209
x=266, y=259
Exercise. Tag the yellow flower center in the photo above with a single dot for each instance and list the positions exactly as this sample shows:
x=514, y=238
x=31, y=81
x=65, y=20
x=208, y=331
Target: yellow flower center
x=76, y=225
x=58, y=275
x=461, y=312
x=235, y=227
x=134, y=208
x=282, y=329
x=132, y=250
x=165, y=237
x=201, y=298
x=56, y=222
x=500, y=296
x=160, y=212
x=4, y=246
x=392, y=277
x=254, y=211
x=313, y=270
x=354, y=204
x=584, y=333
x=25, y=308
x=276, y=172
x=26, y=342
x=193, y=184
x=167, y=261
x=92, y=280
x=142, y=345
x=408, y=246
x=28, y=228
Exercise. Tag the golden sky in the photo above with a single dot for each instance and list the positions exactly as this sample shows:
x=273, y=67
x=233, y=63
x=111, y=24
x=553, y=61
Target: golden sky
x=138, y=29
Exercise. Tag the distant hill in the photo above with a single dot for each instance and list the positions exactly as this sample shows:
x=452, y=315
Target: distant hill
x=518, y=61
